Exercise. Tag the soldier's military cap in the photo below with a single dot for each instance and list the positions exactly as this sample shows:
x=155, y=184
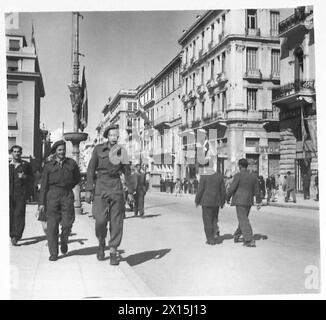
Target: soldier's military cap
x=111, y=127
x=56, y=145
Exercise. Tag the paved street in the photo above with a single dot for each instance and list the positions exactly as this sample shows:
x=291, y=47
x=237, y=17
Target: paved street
x=165, y=254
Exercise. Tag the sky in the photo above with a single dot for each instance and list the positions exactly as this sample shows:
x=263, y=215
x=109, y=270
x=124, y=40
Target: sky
x=122, y=50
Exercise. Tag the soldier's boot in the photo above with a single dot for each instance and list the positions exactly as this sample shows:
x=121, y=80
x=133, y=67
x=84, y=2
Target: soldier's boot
x=63, y=244
x=113, y=258
x=101, y=248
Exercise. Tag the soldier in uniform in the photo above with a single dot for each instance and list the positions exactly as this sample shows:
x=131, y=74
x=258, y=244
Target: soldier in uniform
x=108, y=161
x=20, y=176
x=60, y=175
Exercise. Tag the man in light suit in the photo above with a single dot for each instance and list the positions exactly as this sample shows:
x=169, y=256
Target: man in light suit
x=211, y=196
x=242, y=190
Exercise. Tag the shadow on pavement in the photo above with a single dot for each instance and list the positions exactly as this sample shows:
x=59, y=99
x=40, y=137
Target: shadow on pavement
x=81, y=241
x=162, y=205
x=260, y=237
x=145, y=216
x=87, y=251
x=142, y=257
x=32, y=240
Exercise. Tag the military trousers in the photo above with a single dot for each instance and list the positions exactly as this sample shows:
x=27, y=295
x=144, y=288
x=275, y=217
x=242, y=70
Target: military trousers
x=59, y=211
x=17, y=211
x=109, y=208
x=210, y=219
x=244, y=227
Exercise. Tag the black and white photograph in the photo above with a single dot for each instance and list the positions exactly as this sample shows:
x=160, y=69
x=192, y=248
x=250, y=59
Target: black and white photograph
x=162, y=152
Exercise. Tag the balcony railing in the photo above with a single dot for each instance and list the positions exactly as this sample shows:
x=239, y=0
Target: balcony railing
x=201, y=90
x=195, y=123
x=210, y=45
x=211, y=83
x=275, y=75
x=192, y=60
x=221, y=77
x=253, y=74
x=269, y=115
x=161, y=119
x=299, y=16
x=183, y=127
x=200, y=53
x=192, y=94
x=293, y=88
x=221, y=36
x=274, y=33
x=252, y=32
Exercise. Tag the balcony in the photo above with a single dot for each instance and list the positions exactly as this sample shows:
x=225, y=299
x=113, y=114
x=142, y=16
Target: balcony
x=192, y=95
x=275, y=76
x=252, y=32
x=185, y=98
x=221, y=78
x=195, y=123
x=273, y=33
x=184, y=127
x=293, y=23
x=254, y=74
x=201, y=90
x=211, y=121
x=162, y=122
x=291, y=91
x=184, y=67
x=211, y=84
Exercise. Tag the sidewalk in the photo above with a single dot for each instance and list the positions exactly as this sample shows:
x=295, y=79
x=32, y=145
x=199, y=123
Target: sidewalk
x=78, y=275
x=300, y=204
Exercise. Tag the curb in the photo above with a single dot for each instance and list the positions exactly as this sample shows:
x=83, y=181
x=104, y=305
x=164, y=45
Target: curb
x=131, y=275
x=297, y=206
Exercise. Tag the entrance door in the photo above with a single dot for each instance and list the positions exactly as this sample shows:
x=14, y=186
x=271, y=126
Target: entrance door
x=253, y=163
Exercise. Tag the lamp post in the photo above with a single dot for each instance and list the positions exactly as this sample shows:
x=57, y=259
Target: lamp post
x=75, y=96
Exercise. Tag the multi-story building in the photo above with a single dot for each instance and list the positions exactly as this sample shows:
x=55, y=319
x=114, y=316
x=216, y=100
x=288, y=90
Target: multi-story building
x=161, y=100
x=121, y=111
x=24, y=92
x=296, y=97
x=230, y=64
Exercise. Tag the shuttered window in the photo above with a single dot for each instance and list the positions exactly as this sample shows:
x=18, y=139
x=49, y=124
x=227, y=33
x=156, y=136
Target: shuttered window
x=251, y=59
x=12, y=120
x=275, y=19
x=12, y=65
x=276, y=61
x=14, y=45
x=12, y=90
x=252, y=99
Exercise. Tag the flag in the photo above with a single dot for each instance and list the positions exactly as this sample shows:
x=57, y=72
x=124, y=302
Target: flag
x=143, y=113
x=33, y=37
x=83, y=114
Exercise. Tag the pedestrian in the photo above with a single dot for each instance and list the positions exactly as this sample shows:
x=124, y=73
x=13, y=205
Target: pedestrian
x=108, y=160
x=244, y=187
x=274, y=188
x=284, y=186
x=56, y=198
x=171, y=185
x=290, y=187
x=211, y=197
x=20, y=177
x=262, y=189
x=306, y=185
x=161, y=184
x=269, y=188
x=185, y=185
x=139, y=180
x=317, y=188
x=190, y=186
x=177, y=187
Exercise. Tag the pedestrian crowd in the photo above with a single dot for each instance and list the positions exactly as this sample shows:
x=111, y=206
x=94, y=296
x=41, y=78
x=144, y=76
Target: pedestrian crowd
x=179, y=186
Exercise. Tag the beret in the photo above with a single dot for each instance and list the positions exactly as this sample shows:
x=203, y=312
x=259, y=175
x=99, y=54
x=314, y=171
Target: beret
x=110, y=127
x=56, y=145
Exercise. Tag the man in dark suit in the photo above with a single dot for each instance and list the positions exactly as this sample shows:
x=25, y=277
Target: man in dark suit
x=290, y=187
x=20, y=176
x=140, y=188
x=242, y=190
x=211, y=196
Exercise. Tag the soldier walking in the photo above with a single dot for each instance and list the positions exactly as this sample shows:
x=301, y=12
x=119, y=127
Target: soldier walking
x=243, y=188
x=60, y=175
x=20, y=176
x=108, y=161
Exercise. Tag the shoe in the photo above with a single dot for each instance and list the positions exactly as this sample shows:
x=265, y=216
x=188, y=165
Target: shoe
x=63, y=246
x=100, y=253
x=211, y=242
x=250, y=244
x=114, y=259
x=237, y=239
x=14, y=242
x=53, y=257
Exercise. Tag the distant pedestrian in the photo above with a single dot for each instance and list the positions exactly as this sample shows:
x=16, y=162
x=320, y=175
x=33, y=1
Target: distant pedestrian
x=161, y=184
x=262, y=189
x=20, y=177
x=59, y=177
x=274, y=188
x=306, y=180
x=244, y=187
x=195, y=184
x=139, y=179
x=211, y=196
x=185, y=185
x=317, y=188
x=290, y=187
x=269, y=188
x=177, y=187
